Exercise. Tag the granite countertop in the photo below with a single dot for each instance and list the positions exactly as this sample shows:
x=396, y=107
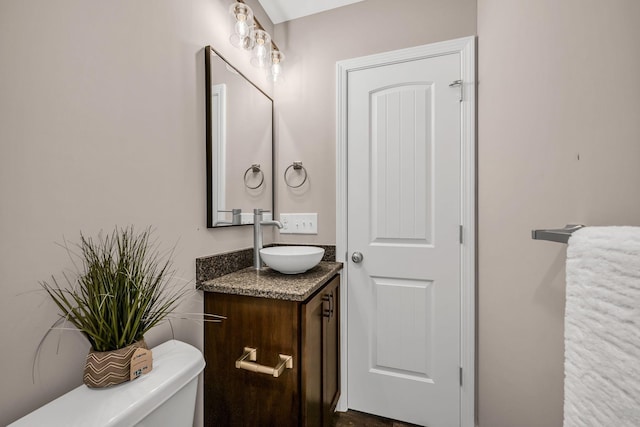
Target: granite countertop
x=268, y=283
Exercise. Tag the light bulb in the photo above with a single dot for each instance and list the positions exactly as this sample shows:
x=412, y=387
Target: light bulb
x=241, y=28
x=241, y=25
x=262, y=49
x=276, y=69
x=276, y=65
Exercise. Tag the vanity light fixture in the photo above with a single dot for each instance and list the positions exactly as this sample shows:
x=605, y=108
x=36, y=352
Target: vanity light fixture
x=276, y=65
x=261, y=53
x=242, y=25
x=248, y=34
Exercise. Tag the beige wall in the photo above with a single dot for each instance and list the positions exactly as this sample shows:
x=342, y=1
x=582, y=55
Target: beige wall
x=305, y=103
x=102, y=112
x=102, y=123
x=557, y=81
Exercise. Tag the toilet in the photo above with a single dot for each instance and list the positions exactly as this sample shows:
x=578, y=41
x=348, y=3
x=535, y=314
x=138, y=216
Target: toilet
x=166, y=396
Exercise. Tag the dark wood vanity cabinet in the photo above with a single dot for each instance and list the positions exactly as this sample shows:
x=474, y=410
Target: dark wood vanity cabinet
x=321, y=356
x=304, y=395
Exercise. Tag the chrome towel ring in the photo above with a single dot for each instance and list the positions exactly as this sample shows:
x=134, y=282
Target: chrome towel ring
x=296, y=167
x=255, y=168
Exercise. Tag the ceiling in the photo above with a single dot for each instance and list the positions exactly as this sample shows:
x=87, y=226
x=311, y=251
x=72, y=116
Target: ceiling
x=286, y=10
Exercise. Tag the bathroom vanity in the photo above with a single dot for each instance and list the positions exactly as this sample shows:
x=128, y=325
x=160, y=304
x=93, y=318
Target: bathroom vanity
x=275, y=360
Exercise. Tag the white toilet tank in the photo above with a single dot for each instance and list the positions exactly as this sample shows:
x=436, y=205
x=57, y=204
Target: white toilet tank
x=166, y=396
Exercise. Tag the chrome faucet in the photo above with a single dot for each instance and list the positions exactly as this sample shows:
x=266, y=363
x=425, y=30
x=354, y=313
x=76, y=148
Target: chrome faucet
x=258, y=222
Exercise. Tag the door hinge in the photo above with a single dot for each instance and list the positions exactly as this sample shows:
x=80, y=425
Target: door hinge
x=461, y=234
x=460, y=376
x=457, y=83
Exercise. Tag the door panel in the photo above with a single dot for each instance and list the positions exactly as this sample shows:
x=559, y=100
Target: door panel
x=403, y=177
x=399, y=143
x=402, y=332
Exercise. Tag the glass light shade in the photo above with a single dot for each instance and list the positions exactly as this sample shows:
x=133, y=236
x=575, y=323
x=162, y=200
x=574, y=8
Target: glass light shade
x=275, y=70
x=261, y=53
x=241, y=25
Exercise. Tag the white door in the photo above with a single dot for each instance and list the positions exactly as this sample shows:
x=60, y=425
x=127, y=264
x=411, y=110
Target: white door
x=404, y=216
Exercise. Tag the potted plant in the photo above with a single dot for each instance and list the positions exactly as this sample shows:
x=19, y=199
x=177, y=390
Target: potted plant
x=121, y=291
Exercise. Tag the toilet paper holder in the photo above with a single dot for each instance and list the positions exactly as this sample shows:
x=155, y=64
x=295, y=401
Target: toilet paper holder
x=250, y=365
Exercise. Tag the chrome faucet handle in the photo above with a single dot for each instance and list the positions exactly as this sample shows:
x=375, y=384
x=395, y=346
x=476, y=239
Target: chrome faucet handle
x=236, y=217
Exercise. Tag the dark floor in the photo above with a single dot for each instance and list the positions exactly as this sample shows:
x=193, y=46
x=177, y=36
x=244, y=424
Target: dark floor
x=355, y=418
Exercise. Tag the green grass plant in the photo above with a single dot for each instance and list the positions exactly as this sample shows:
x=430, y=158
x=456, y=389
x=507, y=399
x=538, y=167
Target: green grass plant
x=122, y=290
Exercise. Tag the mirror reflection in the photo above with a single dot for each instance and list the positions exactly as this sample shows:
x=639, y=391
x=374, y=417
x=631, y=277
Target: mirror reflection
x=239, y=145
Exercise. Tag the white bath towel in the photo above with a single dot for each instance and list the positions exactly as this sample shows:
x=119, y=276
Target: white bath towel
x=602, y=328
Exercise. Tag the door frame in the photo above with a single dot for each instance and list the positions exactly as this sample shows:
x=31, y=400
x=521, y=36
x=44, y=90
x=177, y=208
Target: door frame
x=466, y=48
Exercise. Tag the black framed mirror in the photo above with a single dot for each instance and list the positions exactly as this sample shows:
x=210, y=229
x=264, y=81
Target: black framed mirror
x=239, y=145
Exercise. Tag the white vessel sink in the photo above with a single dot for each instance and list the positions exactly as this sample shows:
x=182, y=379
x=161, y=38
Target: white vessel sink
x=291, y=259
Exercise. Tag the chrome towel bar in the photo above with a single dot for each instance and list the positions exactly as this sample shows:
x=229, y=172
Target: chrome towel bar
x=560, y=235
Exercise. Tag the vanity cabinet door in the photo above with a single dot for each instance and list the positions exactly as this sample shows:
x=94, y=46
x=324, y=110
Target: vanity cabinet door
x=312, y=400
x=331, y=351
x=237, y=397
x=320, y=350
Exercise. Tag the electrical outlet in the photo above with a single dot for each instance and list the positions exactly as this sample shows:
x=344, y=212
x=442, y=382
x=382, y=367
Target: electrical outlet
x=299, y=223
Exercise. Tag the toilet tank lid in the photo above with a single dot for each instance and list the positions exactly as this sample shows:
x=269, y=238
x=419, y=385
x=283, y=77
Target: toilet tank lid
x=175, y=364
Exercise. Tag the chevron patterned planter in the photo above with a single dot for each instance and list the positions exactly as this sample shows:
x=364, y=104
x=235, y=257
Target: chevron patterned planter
x=107, y=368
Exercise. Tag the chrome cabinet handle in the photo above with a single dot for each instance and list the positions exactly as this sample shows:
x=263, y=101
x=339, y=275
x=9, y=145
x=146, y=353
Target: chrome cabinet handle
x=251, y=365
x=357, y=257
